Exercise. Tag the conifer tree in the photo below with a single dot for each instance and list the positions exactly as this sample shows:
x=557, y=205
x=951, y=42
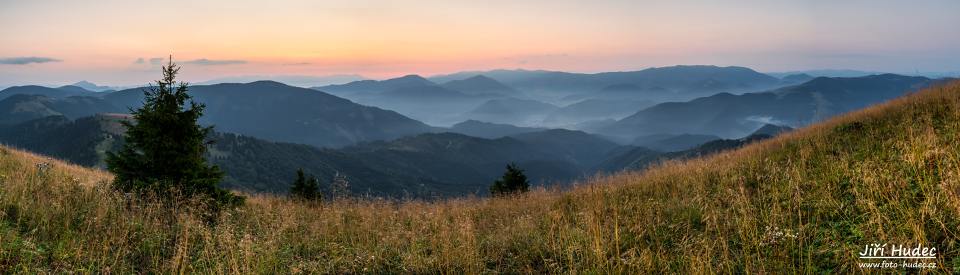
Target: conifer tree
x=164, y=147
x=305, y=189
x=299, y=185
x=313, y=189
x=512, y=181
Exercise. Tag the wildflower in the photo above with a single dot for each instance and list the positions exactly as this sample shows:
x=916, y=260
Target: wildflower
x=43, y=167
x=774, y=235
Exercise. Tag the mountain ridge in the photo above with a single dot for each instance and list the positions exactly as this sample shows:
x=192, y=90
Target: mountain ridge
x=729, y=115
x=278, y=112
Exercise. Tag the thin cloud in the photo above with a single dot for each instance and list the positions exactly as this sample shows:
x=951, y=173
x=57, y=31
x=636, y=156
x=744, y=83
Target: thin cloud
x=213, y=62
x=156, y=60
x=297, y=64
x=27, y=60
x=139, y=61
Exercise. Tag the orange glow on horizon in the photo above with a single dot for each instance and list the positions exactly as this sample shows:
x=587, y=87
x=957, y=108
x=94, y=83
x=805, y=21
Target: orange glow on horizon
x=100, y=40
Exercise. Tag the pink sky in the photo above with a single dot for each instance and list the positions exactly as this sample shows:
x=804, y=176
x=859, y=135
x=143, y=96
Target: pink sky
x=101, y=41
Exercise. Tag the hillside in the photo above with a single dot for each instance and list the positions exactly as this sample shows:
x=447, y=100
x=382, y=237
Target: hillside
x=642, y=157
x=585, y=150
x=482, y=129
x=468, y=164
x=423, y=166
x=671, y=143
x=804, y=202
x=83, y=141
x=20, y=108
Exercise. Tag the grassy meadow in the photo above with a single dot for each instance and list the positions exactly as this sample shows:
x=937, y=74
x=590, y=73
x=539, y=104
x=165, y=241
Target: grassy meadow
x=803, y=202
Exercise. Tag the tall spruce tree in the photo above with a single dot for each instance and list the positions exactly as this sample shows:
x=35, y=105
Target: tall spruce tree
x=164, y=147
x=512, y=181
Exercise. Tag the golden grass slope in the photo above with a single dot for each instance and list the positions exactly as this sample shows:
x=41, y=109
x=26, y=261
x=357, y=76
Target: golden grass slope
x=804, y=202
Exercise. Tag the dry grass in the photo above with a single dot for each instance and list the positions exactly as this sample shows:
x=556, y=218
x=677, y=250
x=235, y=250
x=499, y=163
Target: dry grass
x=804, y=202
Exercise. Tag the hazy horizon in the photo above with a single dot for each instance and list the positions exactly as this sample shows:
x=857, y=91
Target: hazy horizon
x=333, y=79
x=119, y=43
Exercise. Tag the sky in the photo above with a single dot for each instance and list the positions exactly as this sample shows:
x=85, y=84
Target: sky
x=121, y=42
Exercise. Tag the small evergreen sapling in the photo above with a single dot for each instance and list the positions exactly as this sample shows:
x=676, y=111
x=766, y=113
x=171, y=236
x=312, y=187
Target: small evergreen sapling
x=304, y=188
x=512, y=181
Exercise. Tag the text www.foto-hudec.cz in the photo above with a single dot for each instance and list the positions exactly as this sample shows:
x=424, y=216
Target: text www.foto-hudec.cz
x=897, y=256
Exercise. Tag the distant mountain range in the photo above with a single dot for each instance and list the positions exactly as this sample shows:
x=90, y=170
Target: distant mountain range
x=419, y=98
x=86, y=85
x=671, y=83
x=502, y=75
x=797, y=78
x=266, y=130
x=54, y=93
x=292, y=80
x=481, y=85
x=469, y=95
x=511, y=110
x=264, y=109
x=630, y=92
x=826, y=73
x=376, y=86
x=279, y=112
x=592, y=110
x=728, y=115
